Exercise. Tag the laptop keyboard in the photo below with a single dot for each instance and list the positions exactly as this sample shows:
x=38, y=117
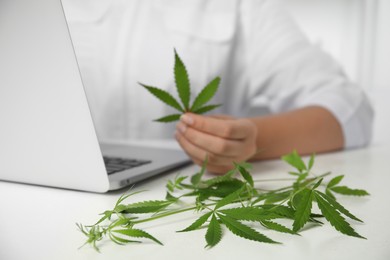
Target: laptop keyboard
x=116, y=164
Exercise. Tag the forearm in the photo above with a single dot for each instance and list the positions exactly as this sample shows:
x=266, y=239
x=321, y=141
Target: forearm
x=308, y=130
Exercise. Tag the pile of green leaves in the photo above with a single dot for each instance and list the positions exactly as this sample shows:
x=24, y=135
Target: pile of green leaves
x=229, y=202
x=183, y=88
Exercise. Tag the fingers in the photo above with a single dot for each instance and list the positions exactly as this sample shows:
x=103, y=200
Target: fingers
x=226, y=117
x=200, y=154
x=215, y=164
x=222, y=140
x=209, y=143
x=231, y=129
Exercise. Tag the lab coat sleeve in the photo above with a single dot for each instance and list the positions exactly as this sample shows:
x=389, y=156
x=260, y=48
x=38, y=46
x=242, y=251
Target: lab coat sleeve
x=290, y=73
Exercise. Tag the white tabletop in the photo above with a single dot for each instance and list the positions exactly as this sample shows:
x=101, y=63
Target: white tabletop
x=39, y=222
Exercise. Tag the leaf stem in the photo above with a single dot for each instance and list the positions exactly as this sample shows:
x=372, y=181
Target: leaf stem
x=289, y=179
x=305, y=186
x=272, y=180
x=168, y=214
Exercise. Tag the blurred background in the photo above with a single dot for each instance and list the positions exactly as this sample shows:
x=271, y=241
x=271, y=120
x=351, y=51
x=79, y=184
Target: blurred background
x=357, y=34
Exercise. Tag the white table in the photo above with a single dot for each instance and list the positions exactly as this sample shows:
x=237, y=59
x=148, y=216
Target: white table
x=39, y=223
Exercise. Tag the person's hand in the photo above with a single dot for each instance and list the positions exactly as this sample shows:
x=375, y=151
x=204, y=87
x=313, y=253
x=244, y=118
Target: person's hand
x=222, y=139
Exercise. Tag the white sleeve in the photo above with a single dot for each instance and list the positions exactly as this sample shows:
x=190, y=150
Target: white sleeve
x=289, y=72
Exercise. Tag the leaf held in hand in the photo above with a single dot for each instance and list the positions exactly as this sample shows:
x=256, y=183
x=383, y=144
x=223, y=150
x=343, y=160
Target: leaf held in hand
x=164, y=97
x=206, y=94
x=205, y=109
x=183, y=89
x=182, y=82
x=168, y=119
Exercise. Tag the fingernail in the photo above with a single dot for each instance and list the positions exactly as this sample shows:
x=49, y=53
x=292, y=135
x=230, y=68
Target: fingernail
x=187, y=119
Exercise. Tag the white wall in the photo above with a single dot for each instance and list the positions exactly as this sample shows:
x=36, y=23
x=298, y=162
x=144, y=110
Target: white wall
x=357, y=34
x=381, y=71
x=381, y=74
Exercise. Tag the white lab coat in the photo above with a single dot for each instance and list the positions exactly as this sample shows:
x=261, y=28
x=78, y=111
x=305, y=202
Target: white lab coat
x=266, y=64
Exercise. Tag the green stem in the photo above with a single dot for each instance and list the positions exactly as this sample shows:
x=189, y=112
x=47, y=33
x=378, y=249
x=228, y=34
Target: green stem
x=289, y=179
x=272, y=180
x=302, y=188
x=277, y=190
x=322, y=175
x=167, y=214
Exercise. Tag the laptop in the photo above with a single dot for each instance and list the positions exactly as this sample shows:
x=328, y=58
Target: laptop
x=47, y=136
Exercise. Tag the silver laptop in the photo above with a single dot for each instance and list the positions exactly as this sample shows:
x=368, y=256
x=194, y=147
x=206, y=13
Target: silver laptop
x=47, y=136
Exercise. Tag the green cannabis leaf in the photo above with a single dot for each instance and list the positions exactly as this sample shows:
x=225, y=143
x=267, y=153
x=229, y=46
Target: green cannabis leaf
x=303, y=209
x=184, y=91
x=334, y=217
x=198, y=223
x=182, y=81
x=137, y=233
x=214, y=232
x=143, y=207
x=244, y=231
x=227, y=203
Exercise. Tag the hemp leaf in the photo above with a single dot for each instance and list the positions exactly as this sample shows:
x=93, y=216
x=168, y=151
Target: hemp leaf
x=182, y=81
x=331, y=187
x=334, y=217
x=198, y=223
x=229, y=202
x=137, y=233
x=184, y=91
x=303, y=209
x=206, y=94
x=214, y=232
x=144, y=207
x=277, y=227
x=295, y=160
x=249, y=214
x=347, y=191
x=244, y=231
